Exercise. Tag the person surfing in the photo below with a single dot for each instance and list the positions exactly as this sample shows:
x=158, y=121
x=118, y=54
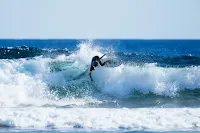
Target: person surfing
x=94, y=63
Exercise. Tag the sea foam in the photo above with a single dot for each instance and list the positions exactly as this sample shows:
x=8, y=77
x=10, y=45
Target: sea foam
x=140, y=119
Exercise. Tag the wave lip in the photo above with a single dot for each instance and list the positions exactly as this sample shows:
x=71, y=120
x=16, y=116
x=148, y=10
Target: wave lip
x=156, y=119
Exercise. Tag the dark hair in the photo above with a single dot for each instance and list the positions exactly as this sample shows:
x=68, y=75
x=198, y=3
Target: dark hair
x=97, y=57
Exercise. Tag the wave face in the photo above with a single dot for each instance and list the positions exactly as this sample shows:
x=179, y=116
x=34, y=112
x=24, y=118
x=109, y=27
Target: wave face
x=51, y=88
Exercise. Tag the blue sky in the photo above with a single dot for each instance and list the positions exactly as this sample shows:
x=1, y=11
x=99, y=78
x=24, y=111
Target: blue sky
x=93, y=19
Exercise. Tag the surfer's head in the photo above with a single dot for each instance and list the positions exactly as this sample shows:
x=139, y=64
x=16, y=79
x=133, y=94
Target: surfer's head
x=97, y=58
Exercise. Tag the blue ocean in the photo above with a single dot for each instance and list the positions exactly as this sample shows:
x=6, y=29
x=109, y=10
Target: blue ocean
x=45, y=86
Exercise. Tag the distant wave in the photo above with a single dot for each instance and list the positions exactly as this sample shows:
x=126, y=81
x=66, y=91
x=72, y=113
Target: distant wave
x=165, y=61
x=26, y=52
x=129, y=58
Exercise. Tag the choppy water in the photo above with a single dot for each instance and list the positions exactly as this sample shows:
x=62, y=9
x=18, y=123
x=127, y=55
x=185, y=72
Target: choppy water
x=157, y=88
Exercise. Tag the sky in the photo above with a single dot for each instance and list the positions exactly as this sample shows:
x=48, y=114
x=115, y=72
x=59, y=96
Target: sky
x=100, y=19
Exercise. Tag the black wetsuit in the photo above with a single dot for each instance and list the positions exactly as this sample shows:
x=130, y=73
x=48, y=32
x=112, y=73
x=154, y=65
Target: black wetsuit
x=95, y=62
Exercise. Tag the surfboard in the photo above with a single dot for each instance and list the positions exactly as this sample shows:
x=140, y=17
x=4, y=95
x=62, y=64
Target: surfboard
x=111, y=62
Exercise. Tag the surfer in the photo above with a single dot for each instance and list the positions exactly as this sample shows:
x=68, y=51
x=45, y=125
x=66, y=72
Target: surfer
x=94, y=63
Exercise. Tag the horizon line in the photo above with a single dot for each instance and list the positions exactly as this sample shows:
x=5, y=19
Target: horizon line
x=100, y=39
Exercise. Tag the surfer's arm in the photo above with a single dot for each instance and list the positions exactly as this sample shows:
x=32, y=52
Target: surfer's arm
x=102, y=64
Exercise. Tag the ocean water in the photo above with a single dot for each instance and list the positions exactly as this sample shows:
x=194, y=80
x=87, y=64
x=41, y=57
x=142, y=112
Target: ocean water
x=45, y=86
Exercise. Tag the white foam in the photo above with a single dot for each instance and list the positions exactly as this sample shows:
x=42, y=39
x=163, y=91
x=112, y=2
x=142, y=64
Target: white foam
x=158, y=119
x=20, y=80
x=85, y=53
x=123, y=80
x=24, y=82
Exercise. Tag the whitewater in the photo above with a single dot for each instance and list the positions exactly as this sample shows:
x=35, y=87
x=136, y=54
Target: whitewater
x=45, y=92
